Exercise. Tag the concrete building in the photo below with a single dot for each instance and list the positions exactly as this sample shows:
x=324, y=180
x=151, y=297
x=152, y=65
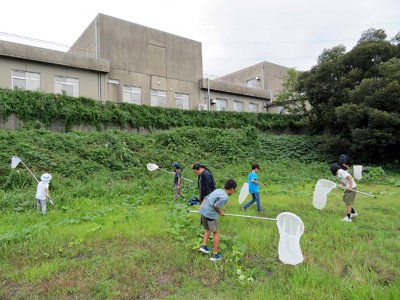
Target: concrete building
x=119, y=61
x=251, y=89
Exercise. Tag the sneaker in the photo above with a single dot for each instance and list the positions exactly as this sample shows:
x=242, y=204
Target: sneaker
x=204, y=249
x=346, y=219
x=243, y=208
x=216, y=257
x=355, y=214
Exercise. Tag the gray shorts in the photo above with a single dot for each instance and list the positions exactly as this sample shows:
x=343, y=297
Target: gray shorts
x=209, y=224
x=349, y=196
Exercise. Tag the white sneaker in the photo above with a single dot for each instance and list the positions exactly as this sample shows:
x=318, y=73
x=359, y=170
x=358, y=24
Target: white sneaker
x=346, y=219
x=355, y=214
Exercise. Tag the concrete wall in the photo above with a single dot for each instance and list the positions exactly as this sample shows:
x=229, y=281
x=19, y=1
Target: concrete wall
x=234, y=97
x=88, y=80
x=146, y=58
x=270, y=77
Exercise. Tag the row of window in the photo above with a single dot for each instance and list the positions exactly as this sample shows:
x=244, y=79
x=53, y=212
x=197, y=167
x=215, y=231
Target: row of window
x=70, y=87
x=238, y=106
x=31, y=81
x=130, y=94
x=133, y=94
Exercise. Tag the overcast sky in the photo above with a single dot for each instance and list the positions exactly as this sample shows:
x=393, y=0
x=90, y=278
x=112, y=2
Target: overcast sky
x=235, y=34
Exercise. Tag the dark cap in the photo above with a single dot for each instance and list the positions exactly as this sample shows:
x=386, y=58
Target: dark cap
x=176, y=165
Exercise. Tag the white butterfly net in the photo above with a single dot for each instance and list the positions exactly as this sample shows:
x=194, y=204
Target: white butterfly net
x=357, y=172
x=321, y=191
x=244, y=192
x=291, y=228
x=15, y=160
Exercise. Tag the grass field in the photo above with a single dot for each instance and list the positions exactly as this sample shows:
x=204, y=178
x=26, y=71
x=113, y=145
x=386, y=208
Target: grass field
x=125, y=240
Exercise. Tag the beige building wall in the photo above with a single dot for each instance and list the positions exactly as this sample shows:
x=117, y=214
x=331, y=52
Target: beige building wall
x=144, y=57
x=88, y=80
x=266, y=76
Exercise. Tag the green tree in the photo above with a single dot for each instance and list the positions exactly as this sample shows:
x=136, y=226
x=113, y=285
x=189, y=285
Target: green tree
x=355, y=97
x=291, y=98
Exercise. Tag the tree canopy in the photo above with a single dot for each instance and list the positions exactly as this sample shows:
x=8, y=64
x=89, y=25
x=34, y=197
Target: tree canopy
x=355, y=97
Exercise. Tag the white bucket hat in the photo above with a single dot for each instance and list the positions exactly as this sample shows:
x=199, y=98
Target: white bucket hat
x=46, y=177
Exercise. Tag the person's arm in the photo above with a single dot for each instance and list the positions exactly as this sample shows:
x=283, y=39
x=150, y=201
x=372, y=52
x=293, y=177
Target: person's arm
x=47, y=192
x=255, y=181
x=350, y=179
x=179, y=184
x=219, y=211
x=208, y=184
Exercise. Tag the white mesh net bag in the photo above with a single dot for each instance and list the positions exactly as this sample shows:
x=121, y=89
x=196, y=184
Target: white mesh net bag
x=244, y=192
x=357, y=172
x=321, y=191
x=291, y=228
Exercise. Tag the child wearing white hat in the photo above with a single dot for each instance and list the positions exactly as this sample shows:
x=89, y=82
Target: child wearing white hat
x=42, y=191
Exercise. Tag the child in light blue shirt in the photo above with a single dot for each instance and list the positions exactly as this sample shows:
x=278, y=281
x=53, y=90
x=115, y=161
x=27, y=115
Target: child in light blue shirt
x=254, y=188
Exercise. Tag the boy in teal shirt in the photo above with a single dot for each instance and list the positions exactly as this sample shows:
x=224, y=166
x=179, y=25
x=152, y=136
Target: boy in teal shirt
x=254, y=188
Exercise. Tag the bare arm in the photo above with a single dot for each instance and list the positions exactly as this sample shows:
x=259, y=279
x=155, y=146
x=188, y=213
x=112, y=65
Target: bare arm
x=219, y=211
x=350, y=179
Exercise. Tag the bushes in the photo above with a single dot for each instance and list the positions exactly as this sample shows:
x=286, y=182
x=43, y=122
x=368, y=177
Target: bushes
x=31, y=107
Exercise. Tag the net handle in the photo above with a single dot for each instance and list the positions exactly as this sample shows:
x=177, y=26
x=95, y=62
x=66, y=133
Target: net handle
x=234, y=215
x=153, y=167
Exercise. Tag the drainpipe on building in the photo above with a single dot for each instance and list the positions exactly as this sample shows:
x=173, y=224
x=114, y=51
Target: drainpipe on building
x=208, y=94
x=96, y=40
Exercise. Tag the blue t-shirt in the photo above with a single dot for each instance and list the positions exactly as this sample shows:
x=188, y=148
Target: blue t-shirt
x=253, y=187
x=218, y=198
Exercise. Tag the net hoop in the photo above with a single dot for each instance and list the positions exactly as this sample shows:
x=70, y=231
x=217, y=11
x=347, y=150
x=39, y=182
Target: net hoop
x=290, y=228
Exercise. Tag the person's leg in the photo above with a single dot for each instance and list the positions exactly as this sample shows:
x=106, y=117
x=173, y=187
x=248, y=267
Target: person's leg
x=216, y=241
x=206, y=237
x=176, y=193
x=43, y=202
x=257, y=197
x=348, y=209
x=38, y=206
x=253, y=199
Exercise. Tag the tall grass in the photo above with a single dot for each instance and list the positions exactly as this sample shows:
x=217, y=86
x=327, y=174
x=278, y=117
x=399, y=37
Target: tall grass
x=107, y=238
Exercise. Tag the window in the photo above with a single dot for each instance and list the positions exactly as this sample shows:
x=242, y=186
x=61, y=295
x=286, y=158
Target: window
x=222, y=104
x=66, y=86
x=253, y=107
x=132, y=94
x=252, y=83
x=158, y=98
x=182, y=101
x=25, y=80
x=238, y=106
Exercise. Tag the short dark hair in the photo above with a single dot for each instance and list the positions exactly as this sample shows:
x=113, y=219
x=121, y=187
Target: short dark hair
x=197, y=166
x=230, y=184
x=334, y=168
x=255, y=166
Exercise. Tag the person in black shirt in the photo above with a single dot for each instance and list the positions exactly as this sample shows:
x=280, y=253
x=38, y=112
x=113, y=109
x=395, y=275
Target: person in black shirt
x=206, y=181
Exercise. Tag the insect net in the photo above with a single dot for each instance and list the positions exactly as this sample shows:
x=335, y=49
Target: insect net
x=321, y=191
x=291, y=228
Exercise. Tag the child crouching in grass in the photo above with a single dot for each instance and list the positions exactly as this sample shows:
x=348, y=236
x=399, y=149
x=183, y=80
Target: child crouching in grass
x=209, y=211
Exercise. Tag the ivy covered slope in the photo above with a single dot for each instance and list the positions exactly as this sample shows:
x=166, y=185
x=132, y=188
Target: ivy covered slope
x=48, y=108
x=125, y=155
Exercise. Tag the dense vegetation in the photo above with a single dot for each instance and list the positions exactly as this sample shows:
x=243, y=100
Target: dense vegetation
x=354, y=97
x=37, y=109
x=114, y=233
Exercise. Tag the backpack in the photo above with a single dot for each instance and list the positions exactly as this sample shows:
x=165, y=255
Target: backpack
x=194, y=200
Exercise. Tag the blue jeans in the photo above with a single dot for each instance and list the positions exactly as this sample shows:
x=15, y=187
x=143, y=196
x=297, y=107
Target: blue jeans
x=255, y=198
